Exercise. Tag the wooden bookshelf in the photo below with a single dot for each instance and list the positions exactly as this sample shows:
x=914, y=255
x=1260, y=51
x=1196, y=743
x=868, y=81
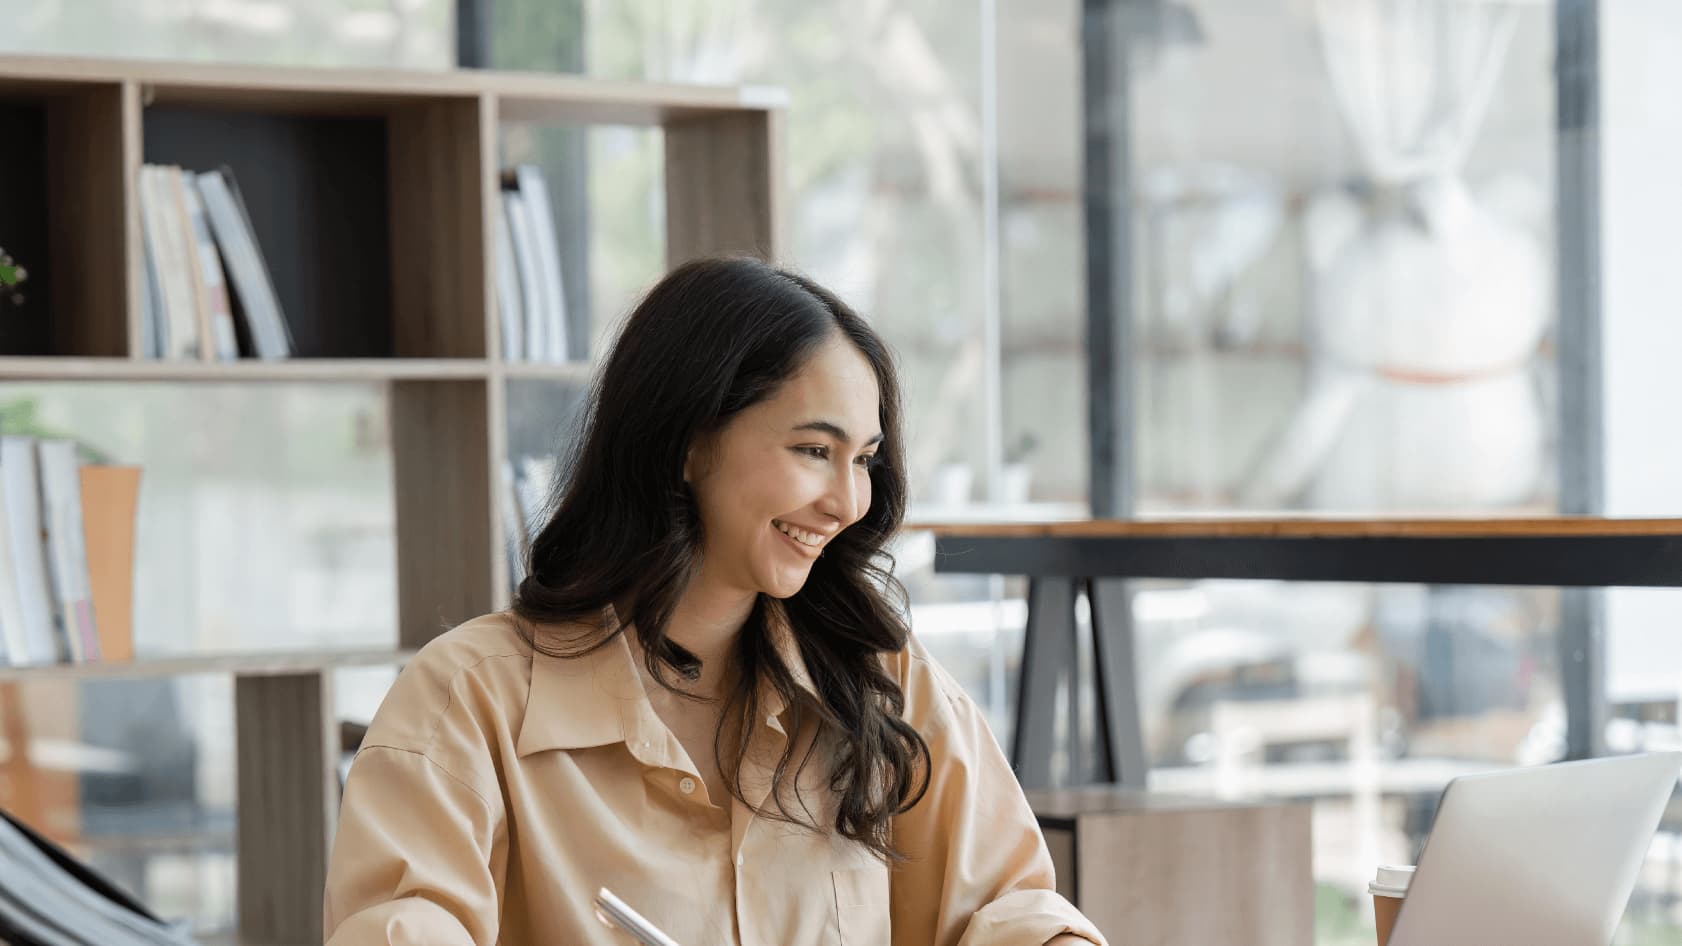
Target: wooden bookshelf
x=374, y=195
x=239, y=665
x=317, y=370
x=574, y=372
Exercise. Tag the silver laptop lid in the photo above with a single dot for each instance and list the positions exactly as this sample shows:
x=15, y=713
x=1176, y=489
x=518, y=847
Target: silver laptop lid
x=1543, y=856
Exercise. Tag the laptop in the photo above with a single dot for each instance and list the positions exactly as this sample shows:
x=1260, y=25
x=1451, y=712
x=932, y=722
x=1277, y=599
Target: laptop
x=1543, y=856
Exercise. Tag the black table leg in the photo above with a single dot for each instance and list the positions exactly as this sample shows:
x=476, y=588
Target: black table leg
x=1121, y=739
x=1048, y=655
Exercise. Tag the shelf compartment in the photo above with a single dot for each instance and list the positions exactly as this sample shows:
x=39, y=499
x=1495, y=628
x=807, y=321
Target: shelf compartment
x=62, y=184
x=361, y=210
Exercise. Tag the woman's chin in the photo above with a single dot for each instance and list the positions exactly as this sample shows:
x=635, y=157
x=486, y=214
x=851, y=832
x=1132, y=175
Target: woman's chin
x=786, y=583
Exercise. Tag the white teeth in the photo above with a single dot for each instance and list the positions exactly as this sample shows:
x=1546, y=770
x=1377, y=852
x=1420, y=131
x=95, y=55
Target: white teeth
x=799, y=535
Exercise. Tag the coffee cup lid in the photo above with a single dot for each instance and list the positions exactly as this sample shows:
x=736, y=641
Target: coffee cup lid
x=1391, y=882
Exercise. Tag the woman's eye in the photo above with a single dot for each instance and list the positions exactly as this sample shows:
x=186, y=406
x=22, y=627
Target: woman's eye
x=816, y=453
x=868, y=461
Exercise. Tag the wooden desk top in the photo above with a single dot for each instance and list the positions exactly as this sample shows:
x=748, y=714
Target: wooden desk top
x=1068, y=803
x=1310, y=528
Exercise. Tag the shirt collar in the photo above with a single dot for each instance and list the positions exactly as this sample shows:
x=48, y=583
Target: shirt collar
x=579, y=702
x=782, y=636
x=598, y=699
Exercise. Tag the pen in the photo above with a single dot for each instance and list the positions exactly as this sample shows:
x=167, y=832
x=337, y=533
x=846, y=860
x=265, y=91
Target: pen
x=613, y=912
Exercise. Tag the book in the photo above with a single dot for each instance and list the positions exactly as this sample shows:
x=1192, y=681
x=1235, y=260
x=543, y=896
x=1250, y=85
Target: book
x=67, y=554
x=154, y=333
x=110, y=502
x=170, y=181
x=534, y=190
x=15, y=639
x=278, y=325
x=247, y=273
x=510, y=304
x=163, y=226
x=24, y=645
x=20, y=490
x=49, y=897
x=531, y=279
x=216, y=311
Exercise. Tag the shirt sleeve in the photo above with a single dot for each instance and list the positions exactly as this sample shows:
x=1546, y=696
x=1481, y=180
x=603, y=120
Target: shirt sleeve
x=978, y=872
x=421, y=850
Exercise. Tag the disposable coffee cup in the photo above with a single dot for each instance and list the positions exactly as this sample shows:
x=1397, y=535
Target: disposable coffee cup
x=1388, y=889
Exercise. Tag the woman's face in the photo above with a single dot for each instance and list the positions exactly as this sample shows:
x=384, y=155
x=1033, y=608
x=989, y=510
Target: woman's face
x=784, y=476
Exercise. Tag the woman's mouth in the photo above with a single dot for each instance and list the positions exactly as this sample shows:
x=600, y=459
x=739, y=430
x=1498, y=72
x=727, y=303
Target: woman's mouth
x=810, y=543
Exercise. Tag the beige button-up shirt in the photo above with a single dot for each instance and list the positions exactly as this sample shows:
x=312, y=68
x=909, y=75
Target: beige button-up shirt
x=497, y=789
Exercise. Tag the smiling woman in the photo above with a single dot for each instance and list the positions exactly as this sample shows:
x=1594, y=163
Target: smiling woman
x=805, y=479
x=705, y=696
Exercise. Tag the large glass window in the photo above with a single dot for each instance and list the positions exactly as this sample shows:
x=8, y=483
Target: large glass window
x=1343, y=272
x=411, y=33
x=1346, y=251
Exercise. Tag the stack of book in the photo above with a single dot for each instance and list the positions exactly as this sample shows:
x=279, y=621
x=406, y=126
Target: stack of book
x=525, y=495
x=48, y=898
x=199, y=244
x=47, y=574
x=531, y=300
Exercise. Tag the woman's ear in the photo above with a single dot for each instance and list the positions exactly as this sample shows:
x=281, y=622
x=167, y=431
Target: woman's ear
x=695, y=459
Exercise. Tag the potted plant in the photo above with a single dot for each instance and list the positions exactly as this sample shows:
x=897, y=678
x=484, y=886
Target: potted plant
x=11, y=277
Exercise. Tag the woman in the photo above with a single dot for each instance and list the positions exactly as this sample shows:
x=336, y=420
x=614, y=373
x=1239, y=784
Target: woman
x=704, y=697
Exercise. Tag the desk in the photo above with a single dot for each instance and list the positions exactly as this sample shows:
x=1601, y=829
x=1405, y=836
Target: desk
x=1156, y=868
x=1063, y=559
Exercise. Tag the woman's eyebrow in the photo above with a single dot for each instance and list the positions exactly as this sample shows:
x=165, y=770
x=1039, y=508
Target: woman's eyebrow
x=835, y=431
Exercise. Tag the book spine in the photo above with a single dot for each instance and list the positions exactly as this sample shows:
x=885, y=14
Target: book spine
x=22, y=485
x=531, y=278
x=246, y=271
x=62, y=499
x=510, y=302
x=14, y=628
x=192, y=269
x=161, y=227
x=212, y=281
x=535, y=190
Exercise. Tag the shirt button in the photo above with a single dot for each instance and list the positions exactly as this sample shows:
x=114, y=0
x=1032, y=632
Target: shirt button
x=738, y=860
x=687, y=785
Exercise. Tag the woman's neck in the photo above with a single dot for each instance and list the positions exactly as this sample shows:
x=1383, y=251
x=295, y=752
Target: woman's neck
x=706, y=622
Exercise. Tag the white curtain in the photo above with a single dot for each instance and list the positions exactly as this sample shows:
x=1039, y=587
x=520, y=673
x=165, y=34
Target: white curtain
x=1428, y=304
x=1414, y=77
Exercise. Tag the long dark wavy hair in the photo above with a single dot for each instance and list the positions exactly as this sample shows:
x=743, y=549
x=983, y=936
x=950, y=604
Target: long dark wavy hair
x=712, y=338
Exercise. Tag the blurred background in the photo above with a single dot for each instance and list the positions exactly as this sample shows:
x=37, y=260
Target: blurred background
x=1352, y=245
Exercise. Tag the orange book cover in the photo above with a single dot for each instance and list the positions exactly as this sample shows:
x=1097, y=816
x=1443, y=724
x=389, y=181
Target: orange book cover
x=110, y=500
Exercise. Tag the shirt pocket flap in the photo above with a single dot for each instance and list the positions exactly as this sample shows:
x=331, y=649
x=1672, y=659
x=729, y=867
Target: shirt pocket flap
x=861, y=905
